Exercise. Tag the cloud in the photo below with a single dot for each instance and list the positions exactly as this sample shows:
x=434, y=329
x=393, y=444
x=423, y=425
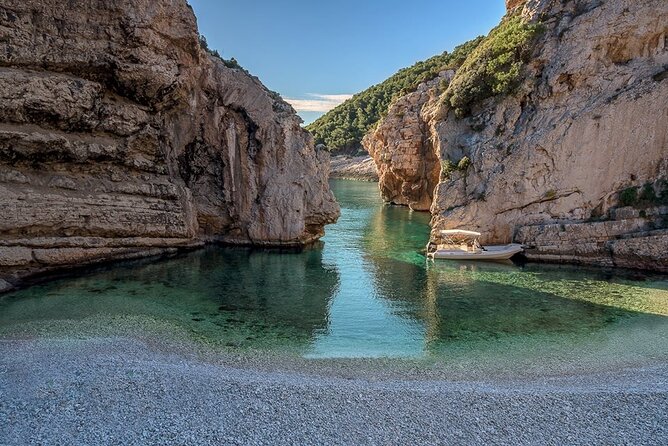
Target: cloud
x=318, y=102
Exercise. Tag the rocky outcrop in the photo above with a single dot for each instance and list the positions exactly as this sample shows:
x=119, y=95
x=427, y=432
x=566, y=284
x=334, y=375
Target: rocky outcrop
x=511, y=5
x=625, y=241
x=407, y=163
x=587, y=123
x=120, y=136
x=360, y=168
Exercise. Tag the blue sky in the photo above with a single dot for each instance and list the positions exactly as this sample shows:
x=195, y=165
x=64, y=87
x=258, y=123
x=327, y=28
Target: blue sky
x=316, y=53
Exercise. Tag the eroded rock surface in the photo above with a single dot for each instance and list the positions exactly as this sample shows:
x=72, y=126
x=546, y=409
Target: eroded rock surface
x=120, y=136
x=405, y=156
x=511, y=5
x=588, y=122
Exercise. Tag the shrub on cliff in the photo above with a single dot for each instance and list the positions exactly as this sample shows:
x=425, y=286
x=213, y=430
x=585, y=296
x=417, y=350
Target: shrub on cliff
x=448, y=167
x=343, y=127
x=229, y=63
x=494, y=67
x=647, y=195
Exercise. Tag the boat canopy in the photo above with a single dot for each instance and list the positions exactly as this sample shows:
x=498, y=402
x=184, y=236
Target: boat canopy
x=460, y=237
x=460, y=244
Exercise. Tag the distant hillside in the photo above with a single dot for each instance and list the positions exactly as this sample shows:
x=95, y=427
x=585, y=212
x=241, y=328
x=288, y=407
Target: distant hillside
x=342, y=129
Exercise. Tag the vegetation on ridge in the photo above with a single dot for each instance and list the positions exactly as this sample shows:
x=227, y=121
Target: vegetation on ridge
x=343, y=127
x=494, y=67
x=486, y=67
x=232, y=63
x=229, y=63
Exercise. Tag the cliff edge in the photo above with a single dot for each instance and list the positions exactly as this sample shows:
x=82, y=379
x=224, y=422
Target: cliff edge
x=121, y=137
x=560, y=143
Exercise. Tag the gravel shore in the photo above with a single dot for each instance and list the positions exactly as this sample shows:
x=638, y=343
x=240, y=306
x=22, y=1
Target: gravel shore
x=121, y=391
x=361, y=168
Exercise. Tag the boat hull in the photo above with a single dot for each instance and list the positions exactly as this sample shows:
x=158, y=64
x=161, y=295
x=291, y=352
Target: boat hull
x=498, y=252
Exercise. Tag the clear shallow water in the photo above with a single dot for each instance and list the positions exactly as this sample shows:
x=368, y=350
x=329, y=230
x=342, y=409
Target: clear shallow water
x=366, y=291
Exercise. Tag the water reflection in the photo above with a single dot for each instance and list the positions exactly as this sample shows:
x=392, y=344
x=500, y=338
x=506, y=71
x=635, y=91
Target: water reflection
x=368, y=291
x=443, y=308
x=362, y=322
x=233, y=296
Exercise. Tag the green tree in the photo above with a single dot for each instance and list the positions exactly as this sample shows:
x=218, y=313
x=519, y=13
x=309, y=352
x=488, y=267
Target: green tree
x=342, y=128
x=494, y=67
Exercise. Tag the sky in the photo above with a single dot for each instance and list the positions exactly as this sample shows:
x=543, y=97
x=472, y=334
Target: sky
x=316, y=54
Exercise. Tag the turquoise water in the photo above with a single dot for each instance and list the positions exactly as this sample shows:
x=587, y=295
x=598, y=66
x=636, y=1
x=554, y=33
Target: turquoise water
x=365, y=291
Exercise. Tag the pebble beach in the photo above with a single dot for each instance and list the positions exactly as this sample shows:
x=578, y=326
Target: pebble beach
x=125, y=391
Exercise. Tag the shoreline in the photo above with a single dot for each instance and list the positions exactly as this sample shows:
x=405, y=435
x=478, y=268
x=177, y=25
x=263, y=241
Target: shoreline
x=14, y=280
x=353, y=168
x=499, y=359
x=647, y=376
x=123, y=390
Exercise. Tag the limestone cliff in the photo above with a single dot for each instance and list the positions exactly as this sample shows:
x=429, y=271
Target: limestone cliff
x=574, y=161
x=407, y=164
x=120, y=136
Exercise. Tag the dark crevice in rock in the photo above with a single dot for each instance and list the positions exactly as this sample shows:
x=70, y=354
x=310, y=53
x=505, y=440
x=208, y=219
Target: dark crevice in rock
x=117, y=125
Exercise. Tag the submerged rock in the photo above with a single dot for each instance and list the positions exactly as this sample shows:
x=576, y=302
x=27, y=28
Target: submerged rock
x=5, y=286
x=120, y=135
x=587, y=123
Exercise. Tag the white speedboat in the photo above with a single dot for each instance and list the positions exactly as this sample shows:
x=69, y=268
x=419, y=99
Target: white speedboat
x=458, y=244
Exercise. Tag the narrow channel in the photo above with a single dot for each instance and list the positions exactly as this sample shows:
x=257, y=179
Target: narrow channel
x=365, y=291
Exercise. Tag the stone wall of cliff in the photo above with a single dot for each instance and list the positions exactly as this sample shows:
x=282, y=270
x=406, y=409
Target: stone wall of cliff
x=402, y=148
x=574, y=162
x=120, y=136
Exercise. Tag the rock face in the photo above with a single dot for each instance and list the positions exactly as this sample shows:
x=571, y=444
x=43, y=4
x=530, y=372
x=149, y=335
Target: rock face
x=407, y=164
x=512, y=4
x=625, y=241
x=552, y=162
x=120, y=136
